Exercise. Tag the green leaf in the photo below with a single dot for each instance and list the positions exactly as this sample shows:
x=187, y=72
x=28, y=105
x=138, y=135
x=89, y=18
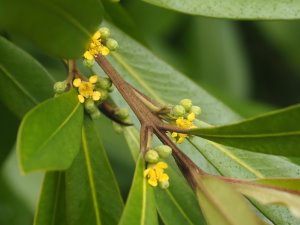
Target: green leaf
x=222, y=205
x=176, y=205
x=23, y=81
x=92, y=193
x=273, y=191
x=44, y=144
x=150, y=75
x=235, y=9
x=209, y=61
x=51, y=206
x=275, y=132
x=140, y=205
x=60, y=27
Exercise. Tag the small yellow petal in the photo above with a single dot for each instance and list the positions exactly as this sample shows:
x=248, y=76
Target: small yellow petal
x=180, y=140
x=146, y=172
x=96, y=35
x=174, y=134
x=88, y=55
x=162, y=165
x=77, y=82
x=104, y=50
x=93, y=79
x=191, y=116
x=152, y=182
x=96, y=95
x=163, y=177
x=81, y=98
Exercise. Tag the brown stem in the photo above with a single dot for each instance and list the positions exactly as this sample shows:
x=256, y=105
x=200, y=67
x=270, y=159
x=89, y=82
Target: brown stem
x=150, y=122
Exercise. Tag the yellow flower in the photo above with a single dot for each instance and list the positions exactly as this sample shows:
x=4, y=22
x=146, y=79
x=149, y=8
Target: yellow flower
x=155, y=173
x=183, y=123
x=95, y=47
x=86, y=89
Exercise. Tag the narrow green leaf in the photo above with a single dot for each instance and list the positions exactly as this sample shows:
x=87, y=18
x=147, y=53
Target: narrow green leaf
x=140, y=205
x=23, y=81
x=60, y=27
x=235, y=9
x=51, y=207
x=273, y=191
x=222, y=205
x=176, y=205
x=49, y=135
x=275, y=133
x=92, y=193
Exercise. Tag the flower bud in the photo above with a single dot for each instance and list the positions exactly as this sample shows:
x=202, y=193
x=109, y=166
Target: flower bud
x=187, y=104
x=105, y=32
x=122, y=113
x=90, y=106
x=104, y=83
x=164, y=184
x=95, y=115
x=60, y=87
x=104, y=94
x=88, y=62
x=177, y=111
x=151, y=156
x=117, y=127
x=196, y=110
x=112, y=44
x=163, y=151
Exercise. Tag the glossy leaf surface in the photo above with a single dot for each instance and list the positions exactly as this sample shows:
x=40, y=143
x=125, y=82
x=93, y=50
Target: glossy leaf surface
x=44, y=144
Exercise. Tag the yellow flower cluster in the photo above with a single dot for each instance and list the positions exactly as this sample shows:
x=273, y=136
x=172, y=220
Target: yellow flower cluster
x=155, y=174
x=183, y=123
x=96, y=47
x=86, y=89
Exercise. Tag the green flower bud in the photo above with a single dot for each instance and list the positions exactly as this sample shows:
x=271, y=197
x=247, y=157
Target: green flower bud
x=187, y=104
x=151, y=156
x=104, y=83
x=122, y=113
x=177, y=111
x=117, y=127
x=90, y=106
x=163, y=151
x=164, y=184
x=112, y=44
x=60, y=87
x=105, y=32
x=196, y=110
x=88, y=63
x=104, y=94
x=95, y=115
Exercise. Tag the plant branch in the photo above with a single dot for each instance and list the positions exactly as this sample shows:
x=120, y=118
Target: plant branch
x=150, y=122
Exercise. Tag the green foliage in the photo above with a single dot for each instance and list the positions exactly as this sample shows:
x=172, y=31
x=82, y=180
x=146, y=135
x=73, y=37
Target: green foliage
x=61, y=28
x=19, y=79
x=214, y=196
x=55, y=146
x=140, y=205
x=57, y=138
x=235, y=9
x=273, y=133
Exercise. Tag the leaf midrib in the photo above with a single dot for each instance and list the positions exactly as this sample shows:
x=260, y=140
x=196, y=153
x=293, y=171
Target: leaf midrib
x=263, y=135
x=90, y=176
x=19, y=86
x=64, y=122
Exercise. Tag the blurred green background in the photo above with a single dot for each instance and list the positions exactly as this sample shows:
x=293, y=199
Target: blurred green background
x=251, y=66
